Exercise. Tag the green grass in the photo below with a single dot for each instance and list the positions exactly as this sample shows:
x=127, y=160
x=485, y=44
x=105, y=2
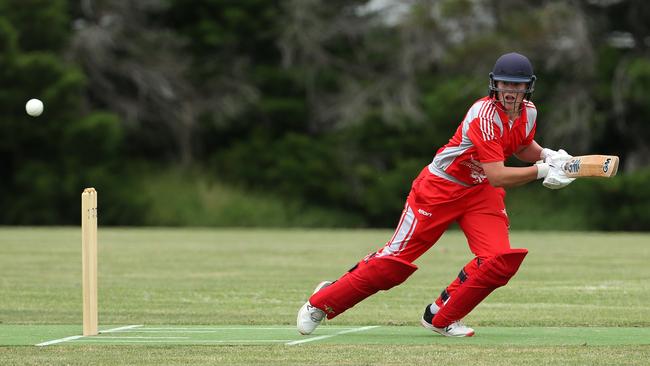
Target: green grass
x=68, y=335
x=579, y=298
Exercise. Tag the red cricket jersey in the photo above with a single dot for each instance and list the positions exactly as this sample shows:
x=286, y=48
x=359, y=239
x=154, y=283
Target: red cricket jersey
x=485, y=135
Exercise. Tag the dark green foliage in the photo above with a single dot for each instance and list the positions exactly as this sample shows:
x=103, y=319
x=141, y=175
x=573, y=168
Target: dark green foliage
x=42, y=25
x=637, y=91
x=331, y=107
x=7, y=44
x=620, y=204
x=47, y=161
x=221, y=26
x=294, y=166
x=181, y=197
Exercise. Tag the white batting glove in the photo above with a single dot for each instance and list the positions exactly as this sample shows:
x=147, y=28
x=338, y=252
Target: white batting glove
x=549, y=153
x=542, y=169
x=558, y=158
x=550, y=157
x=556, y=178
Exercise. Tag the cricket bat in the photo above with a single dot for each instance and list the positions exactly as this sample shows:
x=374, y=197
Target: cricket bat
x=591, y=166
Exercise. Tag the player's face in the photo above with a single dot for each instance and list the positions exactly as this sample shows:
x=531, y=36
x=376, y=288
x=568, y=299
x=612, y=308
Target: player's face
x=511, y=94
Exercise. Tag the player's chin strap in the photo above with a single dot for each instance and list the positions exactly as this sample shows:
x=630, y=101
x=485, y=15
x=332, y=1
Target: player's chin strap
x=500, y=104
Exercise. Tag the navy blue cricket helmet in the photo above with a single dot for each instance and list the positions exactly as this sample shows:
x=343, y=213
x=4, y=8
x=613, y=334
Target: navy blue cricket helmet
x=513, y=67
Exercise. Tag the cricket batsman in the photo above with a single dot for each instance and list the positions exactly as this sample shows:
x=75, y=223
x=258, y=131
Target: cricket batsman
x=464, y=184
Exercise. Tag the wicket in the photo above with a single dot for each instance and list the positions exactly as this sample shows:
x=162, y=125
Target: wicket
x=89, y=260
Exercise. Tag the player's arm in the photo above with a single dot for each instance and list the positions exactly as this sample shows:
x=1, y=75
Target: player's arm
x=530, y=153
x=500, y=175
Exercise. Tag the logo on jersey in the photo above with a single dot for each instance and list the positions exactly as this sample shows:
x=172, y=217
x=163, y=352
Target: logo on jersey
x=422, y=212
x=476, y=171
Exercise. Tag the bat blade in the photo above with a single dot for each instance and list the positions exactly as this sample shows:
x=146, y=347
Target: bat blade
x=591, y=166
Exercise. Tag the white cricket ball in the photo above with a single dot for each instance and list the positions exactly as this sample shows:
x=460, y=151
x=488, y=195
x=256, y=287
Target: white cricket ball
x=34, y=107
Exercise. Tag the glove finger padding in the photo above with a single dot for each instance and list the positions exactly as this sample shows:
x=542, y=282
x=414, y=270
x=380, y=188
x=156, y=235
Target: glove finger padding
x=546, y=153
x=562, y=152
x=556, y=179
x=551, y=154
x=558, y=159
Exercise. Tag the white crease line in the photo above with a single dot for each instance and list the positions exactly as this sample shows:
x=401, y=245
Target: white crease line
x=210, y=330
x=60, y=340
x=72, y=338
x=139, y=337
x=176, y=331
x=331, y=335
x=213, y=328
x=189, y=341
x=120, y=329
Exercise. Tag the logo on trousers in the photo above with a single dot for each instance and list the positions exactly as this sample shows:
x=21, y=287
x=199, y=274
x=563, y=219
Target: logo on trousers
x=422, y=212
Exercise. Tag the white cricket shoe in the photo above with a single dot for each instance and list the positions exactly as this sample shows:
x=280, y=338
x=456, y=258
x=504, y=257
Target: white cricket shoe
x=309, y=317
x=455, y=329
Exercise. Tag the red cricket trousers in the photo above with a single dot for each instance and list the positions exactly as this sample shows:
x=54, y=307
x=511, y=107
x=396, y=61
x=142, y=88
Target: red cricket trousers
x=433, y=204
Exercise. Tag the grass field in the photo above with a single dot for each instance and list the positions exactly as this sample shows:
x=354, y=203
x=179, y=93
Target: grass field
x=205, y=297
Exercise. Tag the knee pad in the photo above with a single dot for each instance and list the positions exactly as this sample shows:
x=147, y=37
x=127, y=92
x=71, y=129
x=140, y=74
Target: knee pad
x=365, y=279
x=498, y=270
x=381, y=273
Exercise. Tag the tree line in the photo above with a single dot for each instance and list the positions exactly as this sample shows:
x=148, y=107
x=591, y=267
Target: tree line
x=333, y=104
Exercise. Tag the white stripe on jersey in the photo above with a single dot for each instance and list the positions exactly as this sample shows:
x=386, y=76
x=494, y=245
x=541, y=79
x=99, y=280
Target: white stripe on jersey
x=531, y=113
x=446, y=156
x=481, y=121
x=485, y=116
x=485, y=111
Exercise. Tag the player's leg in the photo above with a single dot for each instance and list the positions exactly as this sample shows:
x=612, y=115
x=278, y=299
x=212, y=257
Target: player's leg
x=486, y=226
x=494, y=273
x=419, y=228
x=486, y=230
x=432, y=309
x=467, y=269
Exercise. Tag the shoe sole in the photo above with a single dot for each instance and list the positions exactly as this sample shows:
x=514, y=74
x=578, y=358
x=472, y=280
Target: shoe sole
x=440, y=331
